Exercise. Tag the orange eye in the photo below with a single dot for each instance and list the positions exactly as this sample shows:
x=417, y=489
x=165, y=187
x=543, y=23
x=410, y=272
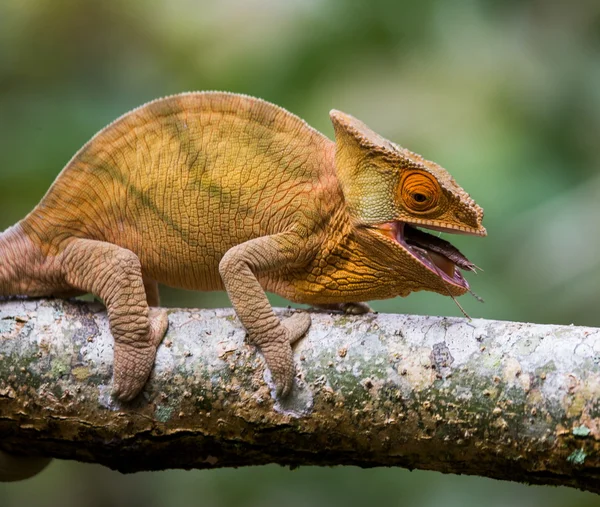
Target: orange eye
x=419, y=191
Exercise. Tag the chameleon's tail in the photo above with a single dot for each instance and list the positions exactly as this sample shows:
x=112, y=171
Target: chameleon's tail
x=18, y=257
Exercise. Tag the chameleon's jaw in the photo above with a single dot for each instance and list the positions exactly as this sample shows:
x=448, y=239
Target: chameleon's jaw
x=437, y=255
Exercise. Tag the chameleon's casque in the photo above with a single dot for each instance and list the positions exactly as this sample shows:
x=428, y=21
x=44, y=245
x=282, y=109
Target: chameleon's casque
x=213, y=191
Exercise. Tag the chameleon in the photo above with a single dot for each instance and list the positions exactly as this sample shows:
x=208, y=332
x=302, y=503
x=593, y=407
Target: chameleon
x=220, y=191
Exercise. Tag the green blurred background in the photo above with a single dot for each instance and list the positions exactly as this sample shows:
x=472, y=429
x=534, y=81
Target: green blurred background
x=506, y=95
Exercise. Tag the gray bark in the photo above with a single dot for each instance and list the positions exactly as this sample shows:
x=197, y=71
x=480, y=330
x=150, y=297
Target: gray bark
x=498, y=399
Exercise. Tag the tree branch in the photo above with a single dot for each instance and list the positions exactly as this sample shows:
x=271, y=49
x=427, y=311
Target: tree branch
x=498, y=399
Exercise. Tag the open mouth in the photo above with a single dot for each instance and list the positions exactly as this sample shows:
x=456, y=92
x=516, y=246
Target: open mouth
x=436, y=254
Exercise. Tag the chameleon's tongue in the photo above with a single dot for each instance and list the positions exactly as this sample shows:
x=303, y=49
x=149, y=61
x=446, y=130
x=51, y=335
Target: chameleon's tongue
x=442, y=253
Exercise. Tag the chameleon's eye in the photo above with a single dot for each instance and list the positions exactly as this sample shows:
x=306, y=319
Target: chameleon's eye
x=419, y=191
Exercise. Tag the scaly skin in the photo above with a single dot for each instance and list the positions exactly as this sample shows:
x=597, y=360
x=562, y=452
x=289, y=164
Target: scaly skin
x=213, y=191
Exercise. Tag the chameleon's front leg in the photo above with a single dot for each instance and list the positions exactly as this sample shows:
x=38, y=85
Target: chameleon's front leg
x=239, y=268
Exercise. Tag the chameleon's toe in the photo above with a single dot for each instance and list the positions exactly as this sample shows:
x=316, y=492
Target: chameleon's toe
x=283, y=373
x=131, y=370
x=283, y=387
x=159, y=322
x=278, y=355
x=296, y=326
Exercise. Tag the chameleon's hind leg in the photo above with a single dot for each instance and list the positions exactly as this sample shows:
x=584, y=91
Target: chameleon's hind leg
x=114, y=274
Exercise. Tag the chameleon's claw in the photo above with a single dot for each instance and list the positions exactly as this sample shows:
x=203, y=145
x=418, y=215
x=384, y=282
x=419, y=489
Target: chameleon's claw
x=283, y=388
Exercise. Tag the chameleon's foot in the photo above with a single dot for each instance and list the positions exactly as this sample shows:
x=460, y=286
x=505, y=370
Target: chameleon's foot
x=276, y=348
x=347, y=308
x=132, y=367
x=134, y=361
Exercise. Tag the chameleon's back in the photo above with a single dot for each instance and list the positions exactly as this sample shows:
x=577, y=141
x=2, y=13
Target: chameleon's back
x=182, y=179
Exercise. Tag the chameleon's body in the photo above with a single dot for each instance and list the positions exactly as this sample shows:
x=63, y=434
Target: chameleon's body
x=213, y=191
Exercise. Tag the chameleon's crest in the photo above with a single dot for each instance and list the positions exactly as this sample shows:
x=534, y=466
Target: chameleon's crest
x=383, y=182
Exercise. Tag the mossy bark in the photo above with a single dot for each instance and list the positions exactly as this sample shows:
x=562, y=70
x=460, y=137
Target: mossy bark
x=498, y=399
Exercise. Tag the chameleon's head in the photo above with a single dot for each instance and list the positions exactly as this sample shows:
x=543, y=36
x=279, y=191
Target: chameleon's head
x=390, y=190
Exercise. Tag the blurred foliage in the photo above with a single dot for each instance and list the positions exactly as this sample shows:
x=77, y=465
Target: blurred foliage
x=506, y=95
